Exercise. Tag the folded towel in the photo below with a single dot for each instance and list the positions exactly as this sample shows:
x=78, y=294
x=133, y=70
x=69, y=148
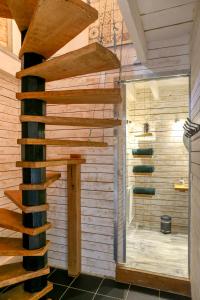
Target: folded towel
x=143, y=169
x=148, y=151
x=145, y=191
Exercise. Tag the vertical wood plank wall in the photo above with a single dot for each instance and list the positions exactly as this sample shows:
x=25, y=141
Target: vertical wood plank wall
x=195, y=158
x=10, y=176
x=97, y=176
x=4, y=32
x=170, y=159
x=97, y=195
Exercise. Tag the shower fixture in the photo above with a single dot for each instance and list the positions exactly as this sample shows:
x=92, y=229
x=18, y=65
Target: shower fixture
x=191, y=128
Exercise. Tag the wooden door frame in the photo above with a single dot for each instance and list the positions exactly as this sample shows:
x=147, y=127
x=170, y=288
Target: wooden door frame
x=129, y=275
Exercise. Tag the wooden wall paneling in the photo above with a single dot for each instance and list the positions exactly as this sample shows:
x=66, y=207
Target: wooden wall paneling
x=166, y=141
x=9, y=132
x=99, y=168
x=168, y=17
x=195, y=168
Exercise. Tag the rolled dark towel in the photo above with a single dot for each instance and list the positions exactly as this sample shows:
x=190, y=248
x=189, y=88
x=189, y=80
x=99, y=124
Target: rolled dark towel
x=145, y=191
x=143, y=169
x=148, y=151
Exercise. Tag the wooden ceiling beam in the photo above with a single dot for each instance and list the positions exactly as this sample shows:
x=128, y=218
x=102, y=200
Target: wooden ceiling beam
x=130, y=11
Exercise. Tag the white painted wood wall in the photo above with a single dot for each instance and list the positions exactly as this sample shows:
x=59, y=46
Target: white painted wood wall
x=195, y=214
x=10, y=176
x=98, y=174
x=170, y=159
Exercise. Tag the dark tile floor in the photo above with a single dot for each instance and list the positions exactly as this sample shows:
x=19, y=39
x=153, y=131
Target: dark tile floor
x=86, y=287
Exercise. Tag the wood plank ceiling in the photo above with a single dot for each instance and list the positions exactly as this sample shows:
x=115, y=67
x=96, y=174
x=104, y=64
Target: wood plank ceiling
x=164, y=20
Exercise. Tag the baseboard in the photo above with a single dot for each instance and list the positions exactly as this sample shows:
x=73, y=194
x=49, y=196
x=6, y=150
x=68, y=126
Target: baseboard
x=156, y=281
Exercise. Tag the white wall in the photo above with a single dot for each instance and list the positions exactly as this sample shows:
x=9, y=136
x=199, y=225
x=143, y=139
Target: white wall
x=195, y=217
x=98, y=173
x=10, y=176
x=170, y=159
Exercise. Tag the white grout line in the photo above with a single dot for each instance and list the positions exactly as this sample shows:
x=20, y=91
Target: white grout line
x=81, y=290
x=73, y=281
x=67, y=288
x=64, y=293
x=72, y=288
x=98, y=288
x=128, y=292
x=51, y=273
x=109, y=297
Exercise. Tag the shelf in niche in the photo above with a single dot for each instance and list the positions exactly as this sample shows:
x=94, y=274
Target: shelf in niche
x=181, y=187
x=143, y=195
x=142, y=191
x=144, y=134
x=142, y=174
x=142, y=156
x=143, y=152
x=143, y=169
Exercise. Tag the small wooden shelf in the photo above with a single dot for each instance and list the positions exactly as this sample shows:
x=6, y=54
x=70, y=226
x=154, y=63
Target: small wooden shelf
x=13, y=221
x=19, y=293
x=50, y=163
x=51, y=178
x=89, y=59
x=61, y=143
x=16, y=197
x=13, y=247
x=181, y=187
x=142, y=156
x=144, y=134
x=142, y=174
x=14, y=273
x=69, y=121
x=83, y=96
x=55, y=23
x=143, y=195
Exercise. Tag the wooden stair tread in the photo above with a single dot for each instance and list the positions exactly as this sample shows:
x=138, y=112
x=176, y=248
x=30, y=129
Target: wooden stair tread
x=13, y=247
x=19, y=293
x=83, y=96
x=22, y=11
x=50, y=163
x=89, y=59
x=14, y=273
x=55, y=23
x=16, y=197
x=4, y=10
x=50, y=178
x=71, y=121
x=66, y=143
x=13, y=221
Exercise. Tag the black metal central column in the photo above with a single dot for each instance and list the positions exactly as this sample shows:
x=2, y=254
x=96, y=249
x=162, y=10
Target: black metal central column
x=33, y=176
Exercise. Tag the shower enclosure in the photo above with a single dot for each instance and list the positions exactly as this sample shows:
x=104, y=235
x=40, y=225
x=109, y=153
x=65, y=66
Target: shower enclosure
x=157, y=176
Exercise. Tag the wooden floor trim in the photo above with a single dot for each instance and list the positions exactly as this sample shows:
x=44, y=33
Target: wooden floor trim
x=161, y=282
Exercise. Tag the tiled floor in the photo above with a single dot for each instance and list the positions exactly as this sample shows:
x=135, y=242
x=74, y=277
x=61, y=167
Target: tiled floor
x=86, y=287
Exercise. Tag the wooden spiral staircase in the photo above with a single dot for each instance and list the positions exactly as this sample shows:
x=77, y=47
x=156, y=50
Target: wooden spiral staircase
x=46, y=26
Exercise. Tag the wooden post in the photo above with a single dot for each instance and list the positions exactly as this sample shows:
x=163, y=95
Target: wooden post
x=74, y=219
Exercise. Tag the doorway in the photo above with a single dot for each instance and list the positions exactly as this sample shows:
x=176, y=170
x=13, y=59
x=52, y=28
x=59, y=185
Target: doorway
x=157, y=176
